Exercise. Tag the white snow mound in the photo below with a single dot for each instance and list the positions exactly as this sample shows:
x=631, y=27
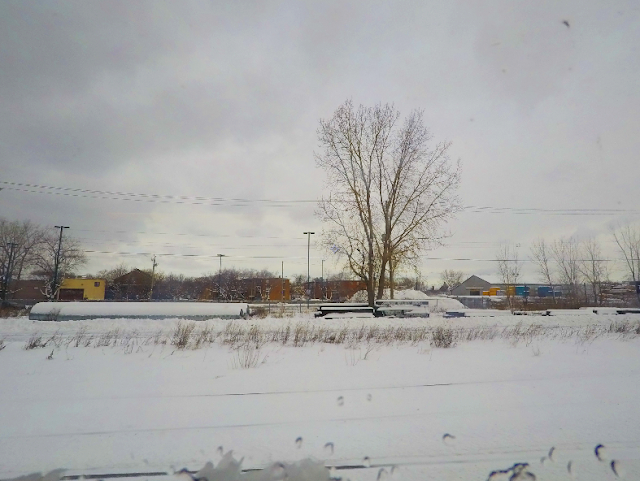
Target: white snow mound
x=436, y=304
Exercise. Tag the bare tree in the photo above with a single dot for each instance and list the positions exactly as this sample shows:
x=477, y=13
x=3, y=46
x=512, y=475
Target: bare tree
x=566, y=255
x=113, y=290
x=628, y=239
x=19, y=245
x=390, y=191
x=110, y=275
x=509, y=267
x=451, y=278
x=593, y=268
x=71, y=257
x=542, y=257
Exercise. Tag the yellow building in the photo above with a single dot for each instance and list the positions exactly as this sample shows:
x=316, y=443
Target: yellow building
x=82, y=289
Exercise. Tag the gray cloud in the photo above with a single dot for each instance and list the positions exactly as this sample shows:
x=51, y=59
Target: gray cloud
x=222, y=99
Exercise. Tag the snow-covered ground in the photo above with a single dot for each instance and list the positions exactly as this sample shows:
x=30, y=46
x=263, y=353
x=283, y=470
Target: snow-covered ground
x=139, y=405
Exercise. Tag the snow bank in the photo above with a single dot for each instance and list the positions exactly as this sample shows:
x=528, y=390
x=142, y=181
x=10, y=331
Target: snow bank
x=66, y=311
x=436, y=303
x=361, y=296
x=406, y=294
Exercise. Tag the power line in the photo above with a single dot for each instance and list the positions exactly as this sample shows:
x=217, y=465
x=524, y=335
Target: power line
x=169, y=254
x=466, y=259
x=242, y=202
x=247, y=236
x=139, y=197
x=184, y=246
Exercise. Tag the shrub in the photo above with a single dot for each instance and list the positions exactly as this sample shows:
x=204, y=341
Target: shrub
x=182, y=334
x=442, y=337
x=247, y=356
x=108, y=338
x=204, y=336
x=34, y=342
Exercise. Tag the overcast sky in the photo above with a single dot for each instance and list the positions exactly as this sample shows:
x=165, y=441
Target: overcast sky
x=210, y=100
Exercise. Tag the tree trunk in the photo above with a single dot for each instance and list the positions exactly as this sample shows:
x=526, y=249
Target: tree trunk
x=381, y=280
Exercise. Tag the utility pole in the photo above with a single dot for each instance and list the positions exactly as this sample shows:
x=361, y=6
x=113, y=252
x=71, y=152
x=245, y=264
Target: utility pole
x=308, y=234
x=55, y=292
x=220, y=256
x=153, y=275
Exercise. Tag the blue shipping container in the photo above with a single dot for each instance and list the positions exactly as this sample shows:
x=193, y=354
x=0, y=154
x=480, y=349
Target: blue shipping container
x=544, y=291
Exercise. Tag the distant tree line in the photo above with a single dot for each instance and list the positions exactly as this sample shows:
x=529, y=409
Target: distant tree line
x=579, y=267
x=222, y=285
x=228, y=284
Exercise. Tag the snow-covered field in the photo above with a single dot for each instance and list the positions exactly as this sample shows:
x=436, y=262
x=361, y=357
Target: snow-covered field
x=133, y=401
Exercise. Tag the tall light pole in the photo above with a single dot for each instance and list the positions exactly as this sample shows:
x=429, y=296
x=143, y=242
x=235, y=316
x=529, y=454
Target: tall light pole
x=322, y=281
x=308, y=234
x=55, y=290
x=154, y=264
x=220, y=256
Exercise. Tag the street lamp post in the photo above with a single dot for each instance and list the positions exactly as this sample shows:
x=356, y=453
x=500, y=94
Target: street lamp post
x=55, y=290
x=322, y=281
x=308, y=234
x=220, y=256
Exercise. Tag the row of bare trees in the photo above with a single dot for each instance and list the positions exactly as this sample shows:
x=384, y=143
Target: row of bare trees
x=31, y=249
x=575, y=265
x=572, y=264
x=223, y=285
x=391, y=190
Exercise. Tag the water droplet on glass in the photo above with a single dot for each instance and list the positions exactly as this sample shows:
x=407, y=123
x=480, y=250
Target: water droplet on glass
x=366, y=462
x=382, y=475
x=328, y=449
x=551, y=453
x=333, y=472
x=369, y=397
x=340, y=401
x=600, y=452
x=616, y=468
x=220, y=450
x=448, y=439
x=278, y=470
x=571, y=469
x=145, y=461
x=543, y=460
x=298, y=442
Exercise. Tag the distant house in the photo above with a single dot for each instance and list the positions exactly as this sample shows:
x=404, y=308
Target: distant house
x=28, y=291
x=265, y=288
x=337, y=291
x=473, y=286
x=132, y=286
x=82, y=289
